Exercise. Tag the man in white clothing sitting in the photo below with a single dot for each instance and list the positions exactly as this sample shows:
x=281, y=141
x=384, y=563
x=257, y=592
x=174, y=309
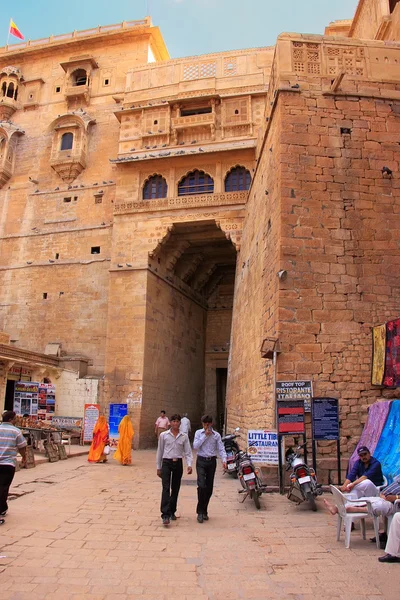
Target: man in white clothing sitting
x=393, y=544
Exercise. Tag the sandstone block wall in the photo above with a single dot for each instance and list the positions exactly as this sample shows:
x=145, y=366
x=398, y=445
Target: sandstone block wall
x=334, y=217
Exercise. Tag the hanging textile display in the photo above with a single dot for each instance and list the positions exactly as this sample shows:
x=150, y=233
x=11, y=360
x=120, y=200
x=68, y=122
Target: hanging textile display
x=392, y=356
x=378, y=354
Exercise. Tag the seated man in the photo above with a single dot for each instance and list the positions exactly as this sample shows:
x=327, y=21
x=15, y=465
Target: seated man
x=364, y=476
x=382, y=505
x=393, y=544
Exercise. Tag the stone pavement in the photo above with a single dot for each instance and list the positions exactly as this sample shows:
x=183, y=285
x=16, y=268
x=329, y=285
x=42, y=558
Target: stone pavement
x=79, y=531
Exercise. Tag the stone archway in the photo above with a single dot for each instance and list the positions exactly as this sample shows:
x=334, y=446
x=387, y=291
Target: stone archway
x=189, y=299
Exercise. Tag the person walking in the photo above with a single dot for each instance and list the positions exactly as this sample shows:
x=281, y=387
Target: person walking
x=172, y=447
x=161, y=424
x=185, y=425
x=99, y=442
x=11, y=442
x=208, y=443
x=123, y=452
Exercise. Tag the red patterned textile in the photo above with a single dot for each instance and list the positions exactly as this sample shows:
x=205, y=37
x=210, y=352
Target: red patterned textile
x=392, y=358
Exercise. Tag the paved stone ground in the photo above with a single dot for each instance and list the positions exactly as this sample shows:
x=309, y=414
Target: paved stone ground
x=80, y=531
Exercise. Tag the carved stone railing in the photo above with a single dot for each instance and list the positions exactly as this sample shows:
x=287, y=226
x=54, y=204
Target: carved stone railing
x=222, y=199
x=193, y=120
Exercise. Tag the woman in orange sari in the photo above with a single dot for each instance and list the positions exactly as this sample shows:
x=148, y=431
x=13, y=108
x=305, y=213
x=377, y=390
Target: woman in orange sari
x=123, y=452
x=100, y=440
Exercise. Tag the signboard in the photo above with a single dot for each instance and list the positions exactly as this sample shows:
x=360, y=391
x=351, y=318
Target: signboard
x=20, y=371
x=295, y=390
x=92, y=413
x=325, y=418
x=290, y=417
x=47, y=400
x=26, y=396
x=117, y=412
x=67, y=421
x=266, y=449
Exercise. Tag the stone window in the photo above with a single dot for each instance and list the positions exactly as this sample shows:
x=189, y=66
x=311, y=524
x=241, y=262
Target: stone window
x=392, y=5
x=67, y=141
x=98, y=198
x=155, y=187
x=58, y=89
x=196, y=182
x=95, y=250
x=238, y=179
x=79, y=77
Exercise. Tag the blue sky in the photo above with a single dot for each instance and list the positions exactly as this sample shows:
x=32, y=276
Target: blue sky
x=189, y=26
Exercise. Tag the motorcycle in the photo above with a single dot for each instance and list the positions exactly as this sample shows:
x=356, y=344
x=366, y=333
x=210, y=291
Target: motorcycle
x=303, y=480
x=249, y=477
x=231, y=449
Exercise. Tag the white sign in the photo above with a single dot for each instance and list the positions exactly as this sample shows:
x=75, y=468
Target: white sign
x=265, y=450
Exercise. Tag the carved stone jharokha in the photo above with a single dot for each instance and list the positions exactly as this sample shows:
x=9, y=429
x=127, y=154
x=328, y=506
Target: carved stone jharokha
x=9, y=135
x=10, y=78
x=69, y=148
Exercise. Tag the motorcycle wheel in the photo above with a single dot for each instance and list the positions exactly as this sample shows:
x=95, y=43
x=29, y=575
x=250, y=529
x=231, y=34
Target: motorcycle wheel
x=256, y=498
x=311, y=501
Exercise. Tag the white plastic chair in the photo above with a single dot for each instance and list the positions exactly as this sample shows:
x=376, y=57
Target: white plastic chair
x=385, y=482
x=348, y=518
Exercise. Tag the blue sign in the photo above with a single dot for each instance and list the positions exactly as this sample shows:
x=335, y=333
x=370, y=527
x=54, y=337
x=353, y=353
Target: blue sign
x=325, y=418
x=117, y=412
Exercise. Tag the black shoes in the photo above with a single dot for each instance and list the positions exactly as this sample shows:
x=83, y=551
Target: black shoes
x=173, y=518
x=165, y=520
x=388, y=558
x=202, y=518
x=3, y=514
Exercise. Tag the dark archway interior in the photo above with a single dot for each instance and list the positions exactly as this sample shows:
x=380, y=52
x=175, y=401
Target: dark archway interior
x=188, y=322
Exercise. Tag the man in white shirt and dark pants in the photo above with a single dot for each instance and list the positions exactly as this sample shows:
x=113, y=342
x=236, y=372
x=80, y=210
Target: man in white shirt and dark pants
x=172, y=447
x=208, y=443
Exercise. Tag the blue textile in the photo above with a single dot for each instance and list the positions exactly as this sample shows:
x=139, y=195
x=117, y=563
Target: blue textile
x=387, y=450
x=372, y=471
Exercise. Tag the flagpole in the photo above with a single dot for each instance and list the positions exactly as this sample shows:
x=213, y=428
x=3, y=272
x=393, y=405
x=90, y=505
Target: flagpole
x=9, y=28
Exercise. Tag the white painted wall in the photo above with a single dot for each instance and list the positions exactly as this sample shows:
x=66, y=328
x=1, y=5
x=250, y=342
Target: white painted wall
x=73, y=393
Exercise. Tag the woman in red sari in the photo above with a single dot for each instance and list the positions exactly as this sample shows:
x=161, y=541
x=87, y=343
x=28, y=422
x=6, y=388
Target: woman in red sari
x=100, y=440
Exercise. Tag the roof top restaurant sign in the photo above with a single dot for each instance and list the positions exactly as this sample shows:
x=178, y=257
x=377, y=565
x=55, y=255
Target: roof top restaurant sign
x=295, y=390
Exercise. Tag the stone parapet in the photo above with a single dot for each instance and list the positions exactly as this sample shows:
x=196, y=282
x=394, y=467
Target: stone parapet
x=224, y=199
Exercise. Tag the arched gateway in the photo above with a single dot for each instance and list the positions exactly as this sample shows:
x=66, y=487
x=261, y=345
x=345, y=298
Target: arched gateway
x=171, y=338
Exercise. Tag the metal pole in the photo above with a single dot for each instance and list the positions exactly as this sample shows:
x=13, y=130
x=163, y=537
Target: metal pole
x=280, y=466
x=338, y=463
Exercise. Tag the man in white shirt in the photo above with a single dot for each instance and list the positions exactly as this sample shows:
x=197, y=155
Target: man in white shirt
x=185, y=425
x=11, y=442
x=172, y=447
x=208, y=443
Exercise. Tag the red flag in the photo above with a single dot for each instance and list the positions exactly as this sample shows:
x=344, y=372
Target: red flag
x=15, y=31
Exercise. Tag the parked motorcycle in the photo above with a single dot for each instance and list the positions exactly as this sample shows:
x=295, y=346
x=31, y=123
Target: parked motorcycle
x=249, y=477
x=231, y=449
x=303, y=480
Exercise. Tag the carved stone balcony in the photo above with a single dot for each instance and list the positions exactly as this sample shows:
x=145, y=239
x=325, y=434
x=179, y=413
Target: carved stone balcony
x=221, y=199
x=8, y=106
x=77, y=92
x=193, y=121
x=68, y=164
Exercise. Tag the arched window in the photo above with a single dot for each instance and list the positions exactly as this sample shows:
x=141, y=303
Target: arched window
x=16, y=92
x=155, y=187
x=196, y=182
x=4, y=88
x=238, y=179
x=67, y=141
x=10, y=90
x=80, y=77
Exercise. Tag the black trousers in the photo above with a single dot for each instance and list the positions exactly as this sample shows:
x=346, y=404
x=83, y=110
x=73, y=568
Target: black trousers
x=205, y=482
x=7, y=473
x=171, y=475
